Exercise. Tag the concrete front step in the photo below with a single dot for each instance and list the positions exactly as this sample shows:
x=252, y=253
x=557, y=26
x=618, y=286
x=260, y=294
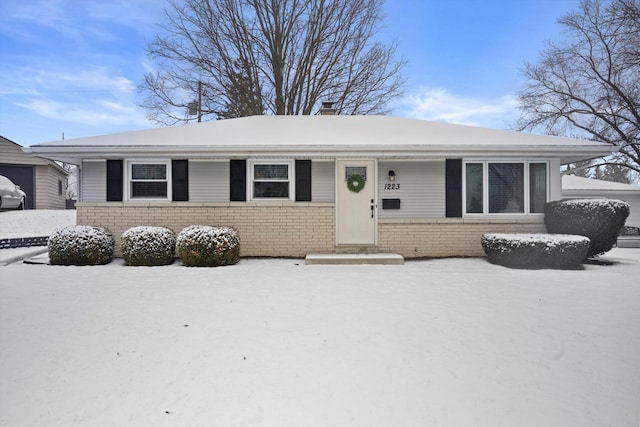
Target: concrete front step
x=356, y=249
x=345, y=259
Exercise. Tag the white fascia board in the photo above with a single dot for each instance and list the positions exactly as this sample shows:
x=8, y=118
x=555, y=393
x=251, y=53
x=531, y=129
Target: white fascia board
x=567, y=153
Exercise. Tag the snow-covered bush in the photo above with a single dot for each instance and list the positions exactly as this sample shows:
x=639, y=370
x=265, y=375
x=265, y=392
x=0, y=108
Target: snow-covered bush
x=560, y=251
x=205, y=246
x=148, y=246
x=598, y=219
x=81, y=245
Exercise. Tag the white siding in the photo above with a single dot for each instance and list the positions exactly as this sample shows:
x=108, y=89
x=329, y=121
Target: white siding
x=208, y=181
x=47, y=197
x=421, y=189
x=323, y=185
x=12, y=154
x=634, y=214
x=555, y=180
x=94, y=182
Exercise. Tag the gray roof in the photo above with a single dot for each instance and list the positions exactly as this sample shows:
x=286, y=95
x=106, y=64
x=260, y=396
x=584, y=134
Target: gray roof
x=320, y=136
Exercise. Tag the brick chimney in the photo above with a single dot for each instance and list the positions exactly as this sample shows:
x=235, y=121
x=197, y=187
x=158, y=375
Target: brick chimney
x=327, y=109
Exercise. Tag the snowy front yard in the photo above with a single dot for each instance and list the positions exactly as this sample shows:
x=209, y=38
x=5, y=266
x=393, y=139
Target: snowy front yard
x=455, y=342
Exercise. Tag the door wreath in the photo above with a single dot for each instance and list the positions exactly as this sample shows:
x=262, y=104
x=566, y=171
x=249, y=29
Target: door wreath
x=355, y=183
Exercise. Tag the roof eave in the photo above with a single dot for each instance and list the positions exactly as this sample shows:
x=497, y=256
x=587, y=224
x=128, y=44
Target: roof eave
x=75, y=154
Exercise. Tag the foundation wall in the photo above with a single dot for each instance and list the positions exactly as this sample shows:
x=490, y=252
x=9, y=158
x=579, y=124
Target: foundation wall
x=296, y=229
x=447, y=236
x=278, y=229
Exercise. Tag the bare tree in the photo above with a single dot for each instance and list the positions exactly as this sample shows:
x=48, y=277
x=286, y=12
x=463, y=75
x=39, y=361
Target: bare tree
x=583, y=168
x=270, y=57
x=70, y=184
x=614, y=173
x=589, y=84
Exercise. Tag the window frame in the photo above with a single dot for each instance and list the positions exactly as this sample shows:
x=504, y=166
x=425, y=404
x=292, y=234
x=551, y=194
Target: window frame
x=526, y=164
x=129, y=180
x=290, y=179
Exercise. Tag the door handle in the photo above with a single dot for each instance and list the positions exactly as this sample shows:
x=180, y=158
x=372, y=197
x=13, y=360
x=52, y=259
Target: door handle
x=372, y=208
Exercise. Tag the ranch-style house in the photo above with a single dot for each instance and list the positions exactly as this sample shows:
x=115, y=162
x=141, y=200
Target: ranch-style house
x=294, y=185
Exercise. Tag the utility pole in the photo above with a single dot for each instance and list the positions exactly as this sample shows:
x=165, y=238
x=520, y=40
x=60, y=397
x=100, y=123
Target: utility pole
x=199, y=101
x=195, y=107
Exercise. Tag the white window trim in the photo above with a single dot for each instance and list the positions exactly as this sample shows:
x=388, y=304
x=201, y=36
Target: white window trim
x=128, y=174
x=485, y=187
x=291, y=179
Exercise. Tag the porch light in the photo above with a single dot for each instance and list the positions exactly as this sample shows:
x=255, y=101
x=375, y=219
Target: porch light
x=392, y=176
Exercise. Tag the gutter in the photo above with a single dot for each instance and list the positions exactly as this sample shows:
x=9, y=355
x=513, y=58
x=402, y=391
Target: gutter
x=77, y=153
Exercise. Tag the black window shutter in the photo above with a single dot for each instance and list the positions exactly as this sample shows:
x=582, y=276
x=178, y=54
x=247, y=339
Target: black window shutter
x=453, y=179
x=238, y=181
x=114, y=180
x=180, y=180
x=303, y=180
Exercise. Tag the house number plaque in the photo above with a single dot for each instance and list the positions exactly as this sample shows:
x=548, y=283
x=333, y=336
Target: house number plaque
x=392, y=186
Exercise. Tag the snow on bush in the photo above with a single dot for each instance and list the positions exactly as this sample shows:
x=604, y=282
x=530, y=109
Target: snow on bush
x=560, y=251
x=81, y=245
x=598, y=219
x=205, y=246
x=148, y=246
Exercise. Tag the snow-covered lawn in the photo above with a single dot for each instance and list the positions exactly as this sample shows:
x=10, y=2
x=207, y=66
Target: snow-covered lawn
x=34, y=222
x=454, y=342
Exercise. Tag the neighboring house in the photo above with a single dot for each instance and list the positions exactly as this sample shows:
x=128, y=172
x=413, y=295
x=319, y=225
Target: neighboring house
x=576, y=187
x=43, y=180
x=293, y=185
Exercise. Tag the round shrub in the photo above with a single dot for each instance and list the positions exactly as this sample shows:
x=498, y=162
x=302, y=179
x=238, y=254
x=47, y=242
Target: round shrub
x=81, y=245
x=205, y=246
x=533, y=251
x=598, y=219
x=148, y=246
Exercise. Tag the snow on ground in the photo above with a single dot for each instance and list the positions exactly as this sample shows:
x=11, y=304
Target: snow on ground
x=454, y=342
x=34, y=222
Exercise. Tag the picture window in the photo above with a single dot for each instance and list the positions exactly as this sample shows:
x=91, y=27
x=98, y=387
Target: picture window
x=505, y=187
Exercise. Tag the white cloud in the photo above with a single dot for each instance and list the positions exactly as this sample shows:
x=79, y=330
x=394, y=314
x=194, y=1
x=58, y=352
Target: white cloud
x=41, y=77
x=441, y=105
x=92, y=95
x=97, y=79
x=79, y=19
x=90, y=88
x=93, y=112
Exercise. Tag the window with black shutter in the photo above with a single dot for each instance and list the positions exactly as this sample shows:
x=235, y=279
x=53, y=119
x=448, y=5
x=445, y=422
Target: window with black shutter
x=303, y=180
x=115, y=172
x=453, y=183
x=238, y=181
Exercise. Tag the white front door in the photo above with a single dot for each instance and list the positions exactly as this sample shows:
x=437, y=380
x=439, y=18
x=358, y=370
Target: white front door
x=356, y=208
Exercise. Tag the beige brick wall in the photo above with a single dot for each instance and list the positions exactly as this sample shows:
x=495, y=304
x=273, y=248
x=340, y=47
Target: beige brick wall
x=274, y=229
x=296, y=229
x=416, y=238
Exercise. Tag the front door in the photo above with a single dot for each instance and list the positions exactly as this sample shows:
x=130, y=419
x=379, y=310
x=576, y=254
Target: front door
x=356, y=209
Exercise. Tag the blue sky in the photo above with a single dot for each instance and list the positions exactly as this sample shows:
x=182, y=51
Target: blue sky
x=72, y=66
